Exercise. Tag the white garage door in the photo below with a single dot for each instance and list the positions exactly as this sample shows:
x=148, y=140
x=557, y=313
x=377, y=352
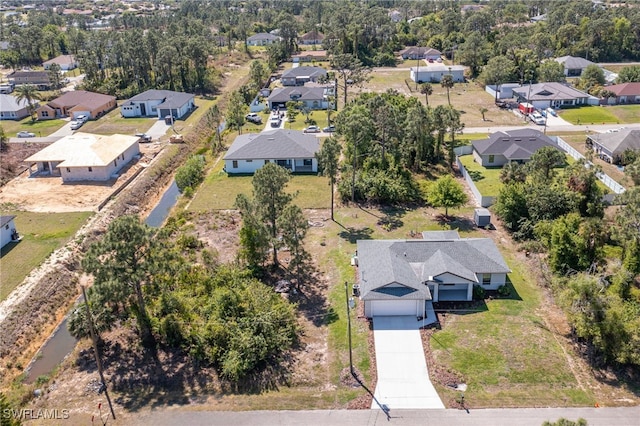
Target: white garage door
x=393, y=307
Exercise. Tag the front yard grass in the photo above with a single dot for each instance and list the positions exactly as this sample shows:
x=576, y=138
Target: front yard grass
x=41, y=128
x=41, y=233
x=219, y=191
x=589, y=114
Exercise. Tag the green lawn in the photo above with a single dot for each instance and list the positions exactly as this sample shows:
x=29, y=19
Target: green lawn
x=219, y=191
x=626, y=113
x=40, y=127
x=42, y=233
x=589, y=115
x=487, y=180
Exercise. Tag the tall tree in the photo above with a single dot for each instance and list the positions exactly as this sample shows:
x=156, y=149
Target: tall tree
x=542, y=163
x=122, y=263
x=55, y=76
x=328, y=159
x=294, y=226
x=30, y=93
x=447, y=193
x=448, y=83
x=551, y=71
x=269, y=183
x=498, y=70
x=427, y=90
x=236, y=111
x=350, y=72
x=254, y=237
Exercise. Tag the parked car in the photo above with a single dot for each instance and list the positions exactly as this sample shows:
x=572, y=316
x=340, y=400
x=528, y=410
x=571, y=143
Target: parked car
x=24, y=134
x=275, y=122
x=82, y=118
x=75, y=124
x=537, y=118
x=253, y=118
x=329, y=129
x=311, y=129
x=144, y=138
x=552, y=111
x=176, y=139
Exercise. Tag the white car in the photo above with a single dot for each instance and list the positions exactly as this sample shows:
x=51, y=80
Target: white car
x=275, y=121
x=82, y=118
x=537, y=118
x=75, y=124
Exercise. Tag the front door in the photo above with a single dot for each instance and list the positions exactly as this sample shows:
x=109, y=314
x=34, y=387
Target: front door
x=143, y=109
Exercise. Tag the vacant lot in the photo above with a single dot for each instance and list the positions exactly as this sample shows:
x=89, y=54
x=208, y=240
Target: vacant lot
x=41, y=233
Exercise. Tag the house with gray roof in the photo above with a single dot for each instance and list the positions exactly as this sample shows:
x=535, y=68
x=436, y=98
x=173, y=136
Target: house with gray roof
x=312, y=97
x=398, y=277
x=573, y=66
x=40, y=79
x=11, y=109
x=553, y=94
x=298, y=76
x=611, y=145
x=158, y=103
x=263, y=39
x=420, y=52
x=291, y=149
x=509, y=146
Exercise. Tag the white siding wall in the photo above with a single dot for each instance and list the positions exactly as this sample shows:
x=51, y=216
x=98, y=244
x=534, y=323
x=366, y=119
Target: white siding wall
x=5, y=233
x=248, y=166
x=99, y=173
x=136, y=110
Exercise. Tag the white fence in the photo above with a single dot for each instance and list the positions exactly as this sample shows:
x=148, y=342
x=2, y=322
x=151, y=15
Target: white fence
x=482, y=201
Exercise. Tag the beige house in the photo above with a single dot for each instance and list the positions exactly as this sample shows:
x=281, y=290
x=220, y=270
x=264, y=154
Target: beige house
x=85, y=157
x=75, y=103
x=66, y=62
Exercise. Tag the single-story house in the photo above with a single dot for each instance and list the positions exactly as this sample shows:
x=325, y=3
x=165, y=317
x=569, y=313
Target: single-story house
x=85, y=157
x=75, y=103
x=573, y=66
x=311, y=38
x=263, y=39
x=291, y=149
x=434, y=73
x=398, y=277
x=419, y=52
x=40, y=79
x=12, y=109
x=298, y=76
x=313, y=97
x=66, y=62
x=8, y=231
x=626, y=93
x=158, y=103
x=510, y=145
x=310, y=56
x=553, y=94
x=610, y=146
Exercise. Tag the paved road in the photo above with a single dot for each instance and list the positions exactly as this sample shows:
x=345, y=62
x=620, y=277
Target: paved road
x=599, y=128
x=626, y=416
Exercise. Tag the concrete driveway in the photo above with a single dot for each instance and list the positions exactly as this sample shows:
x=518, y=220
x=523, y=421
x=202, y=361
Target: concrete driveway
x=403, y=379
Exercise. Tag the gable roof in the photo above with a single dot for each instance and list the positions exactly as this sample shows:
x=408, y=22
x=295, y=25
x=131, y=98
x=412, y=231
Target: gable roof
x=10, y=103
x=170, y=98
x=519, y=144
x=44, y=75
x=618, y=142
x=549, y=91
x=273, y=144
x=5, y=219
x=625, y=89
x=85, y=150
x=87, y=99
x=263, y=36
x=60, y=60
x=572, y=62
x=302, y=93
x=304, y=72
x=420, y=50
x=312, y=35
x=412, y=263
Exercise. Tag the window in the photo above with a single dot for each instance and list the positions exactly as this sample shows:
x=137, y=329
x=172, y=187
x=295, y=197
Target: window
x=249, y=161
x=307, y=161
x=115, y=163
x=266, y=161
x=234, y=164
x=492, y=158
x=486, y=279
x=45, y=113
x=90, y=169
x=68, y=170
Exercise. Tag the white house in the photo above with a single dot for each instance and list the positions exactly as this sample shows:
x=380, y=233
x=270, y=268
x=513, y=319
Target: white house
x=85, y=157
x=398, y=277
x=12, y=109
x=434, y=73
x=552, y=94
x=159, y=103
x=291, y=149
x=66, y=62
x=8, y=230
x=263, y=39
x=312, y=96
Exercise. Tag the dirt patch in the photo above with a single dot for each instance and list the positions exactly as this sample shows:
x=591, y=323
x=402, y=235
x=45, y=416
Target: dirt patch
x=13, y=155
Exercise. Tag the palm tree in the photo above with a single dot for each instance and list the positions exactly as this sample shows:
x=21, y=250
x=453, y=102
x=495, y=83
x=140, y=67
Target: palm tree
x=28, y=92
x=447, y=82
x=483, y=110
x=426, y=89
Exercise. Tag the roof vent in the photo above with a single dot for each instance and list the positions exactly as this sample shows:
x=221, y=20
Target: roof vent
x=272, y=139
x=405, y=254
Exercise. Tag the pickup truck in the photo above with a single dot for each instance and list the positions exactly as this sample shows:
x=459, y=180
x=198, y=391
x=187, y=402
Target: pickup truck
x=143, y=138
x=176, y=139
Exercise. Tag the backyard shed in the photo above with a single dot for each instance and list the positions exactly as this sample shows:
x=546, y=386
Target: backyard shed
x=482, y=217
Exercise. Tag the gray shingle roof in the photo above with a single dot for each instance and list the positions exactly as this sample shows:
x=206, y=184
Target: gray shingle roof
x=263, y=36
x=517, y=144
x=273, y=144
x=618, y=142
x=5, y=219
x=305, y=94
x=573, y=62
x=549, y=91
x=304, y=72
x=411, y=263
x=10, y=103
x=171, y=99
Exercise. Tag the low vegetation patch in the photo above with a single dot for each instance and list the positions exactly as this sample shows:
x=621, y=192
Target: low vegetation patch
x=589, y=115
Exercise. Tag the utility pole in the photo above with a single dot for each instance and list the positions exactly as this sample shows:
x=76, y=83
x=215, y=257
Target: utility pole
x=95, y=351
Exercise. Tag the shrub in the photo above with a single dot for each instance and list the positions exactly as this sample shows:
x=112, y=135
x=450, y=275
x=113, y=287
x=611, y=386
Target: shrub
x=504, y=291
x=191, y=174
x=478, y=293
